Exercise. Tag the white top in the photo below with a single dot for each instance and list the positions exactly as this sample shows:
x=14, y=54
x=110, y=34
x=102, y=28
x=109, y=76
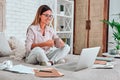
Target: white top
x=34, y=35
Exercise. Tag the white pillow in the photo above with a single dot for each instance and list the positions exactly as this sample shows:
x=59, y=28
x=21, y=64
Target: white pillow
x=4, y=46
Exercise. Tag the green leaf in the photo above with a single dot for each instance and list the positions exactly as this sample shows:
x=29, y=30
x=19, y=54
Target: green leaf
x=118, y=47
x=116, y=30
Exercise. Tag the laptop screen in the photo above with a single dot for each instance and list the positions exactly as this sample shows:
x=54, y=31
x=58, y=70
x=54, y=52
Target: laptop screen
x=87, y=57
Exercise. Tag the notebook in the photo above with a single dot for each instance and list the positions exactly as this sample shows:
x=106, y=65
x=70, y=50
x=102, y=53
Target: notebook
x=86, y=59
x=48, y=72
x=105, y=59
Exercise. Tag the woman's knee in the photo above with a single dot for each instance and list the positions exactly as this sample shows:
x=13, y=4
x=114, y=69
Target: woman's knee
x=67, y=47
x=37, y=50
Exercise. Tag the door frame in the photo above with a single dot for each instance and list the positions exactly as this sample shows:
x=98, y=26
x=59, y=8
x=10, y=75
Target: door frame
x=105, y=26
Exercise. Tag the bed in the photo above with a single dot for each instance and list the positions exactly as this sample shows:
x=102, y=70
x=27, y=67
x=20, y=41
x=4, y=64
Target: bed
x=85, y=74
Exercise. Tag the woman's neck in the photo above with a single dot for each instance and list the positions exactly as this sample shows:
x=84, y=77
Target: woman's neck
x=42, y=26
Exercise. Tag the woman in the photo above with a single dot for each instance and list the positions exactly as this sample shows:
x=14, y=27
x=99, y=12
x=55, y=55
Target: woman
x=41, y=40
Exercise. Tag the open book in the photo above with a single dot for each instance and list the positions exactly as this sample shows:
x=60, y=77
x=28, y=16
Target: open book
x=21, y=69
x=48, y=72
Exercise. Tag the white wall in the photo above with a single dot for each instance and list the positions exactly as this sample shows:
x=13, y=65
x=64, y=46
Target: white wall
x=113, y=10
x=19, y=15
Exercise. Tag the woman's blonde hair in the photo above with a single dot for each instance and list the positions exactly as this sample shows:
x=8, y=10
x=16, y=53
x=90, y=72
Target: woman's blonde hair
x=40, y=11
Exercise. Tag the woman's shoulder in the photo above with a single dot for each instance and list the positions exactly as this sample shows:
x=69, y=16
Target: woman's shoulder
x=33, y=27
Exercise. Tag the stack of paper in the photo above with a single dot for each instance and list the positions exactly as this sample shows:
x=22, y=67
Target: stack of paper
x=109, y=65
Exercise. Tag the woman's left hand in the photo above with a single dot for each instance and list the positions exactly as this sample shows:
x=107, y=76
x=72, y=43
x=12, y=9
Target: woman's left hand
x=62, y=44
x=59, y=43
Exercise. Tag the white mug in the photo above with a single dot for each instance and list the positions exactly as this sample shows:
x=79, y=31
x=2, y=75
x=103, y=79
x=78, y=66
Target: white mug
x=57, y=42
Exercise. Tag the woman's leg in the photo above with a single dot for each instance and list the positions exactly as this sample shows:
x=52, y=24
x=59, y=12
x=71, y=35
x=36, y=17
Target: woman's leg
x=58, y=53
x=37, y=55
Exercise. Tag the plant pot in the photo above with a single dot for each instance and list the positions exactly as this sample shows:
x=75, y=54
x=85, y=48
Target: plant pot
x=114, y=52
x=118, y=51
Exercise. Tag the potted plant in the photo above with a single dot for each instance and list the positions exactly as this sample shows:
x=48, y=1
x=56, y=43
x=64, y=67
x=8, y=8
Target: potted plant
x=116, y=33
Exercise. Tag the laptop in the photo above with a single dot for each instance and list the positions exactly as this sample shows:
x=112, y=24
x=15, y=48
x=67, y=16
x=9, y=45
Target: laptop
x=86, y=59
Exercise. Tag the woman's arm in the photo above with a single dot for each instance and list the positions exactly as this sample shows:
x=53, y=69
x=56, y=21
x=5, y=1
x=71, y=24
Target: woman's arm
x=49, y=43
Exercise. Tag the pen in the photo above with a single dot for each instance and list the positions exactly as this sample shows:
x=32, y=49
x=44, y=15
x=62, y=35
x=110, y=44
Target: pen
x=45, y=71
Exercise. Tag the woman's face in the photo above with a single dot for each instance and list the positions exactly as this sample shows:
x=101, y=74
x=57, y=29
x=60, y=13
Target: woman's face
x=46, y=17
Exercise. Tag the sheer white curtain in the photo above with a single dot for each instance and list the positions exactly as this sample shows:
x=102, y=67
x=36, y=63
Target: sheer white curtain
x=114, y=13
